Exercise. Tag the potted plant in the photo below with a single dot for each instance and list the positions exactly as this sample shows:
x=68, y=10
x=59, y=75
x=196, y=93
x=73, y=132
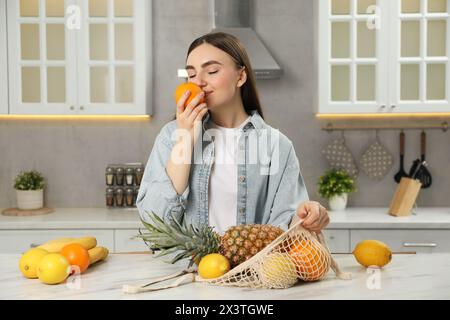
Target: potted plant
x=335, y=185
x=29, y=187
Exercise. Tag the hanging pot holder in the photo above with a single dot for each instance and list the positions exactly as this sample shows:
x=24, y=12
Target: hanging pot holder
x=340, y=158
x=376, y=161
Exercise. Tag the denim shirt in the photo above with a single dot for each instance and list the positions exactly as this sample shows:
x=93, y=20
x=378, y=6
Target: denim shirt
x=269, y=183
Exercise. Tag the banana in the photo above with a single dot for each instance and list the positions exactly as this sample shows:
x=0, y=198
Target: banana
x=61, y=240
x=56, y=246
x=97, y=254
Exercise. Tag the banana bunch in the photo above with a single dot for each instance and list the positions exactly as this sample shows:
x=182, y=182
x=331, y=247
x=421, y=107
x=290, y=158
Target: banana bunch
x=96, y=253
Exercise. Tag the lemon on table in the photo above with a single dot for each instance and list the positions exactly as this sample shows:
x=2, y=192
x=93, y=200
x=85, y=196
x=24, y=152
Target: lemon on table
x=29, y=261
x=372, y=253
x=53, y=268
x=213, y=265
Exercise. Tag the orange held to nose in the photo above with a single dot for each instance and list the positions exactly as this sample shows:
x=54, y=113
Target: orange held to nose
x=192, y=87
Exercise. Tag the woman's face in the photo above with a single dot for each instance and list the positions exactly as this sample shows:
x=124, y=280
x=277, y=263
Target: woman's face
x=216, y=73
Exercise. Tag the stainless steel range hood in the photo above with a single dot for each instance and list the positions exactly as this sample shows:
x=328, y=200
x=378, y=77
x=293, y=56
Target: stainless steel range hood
x=233, y=16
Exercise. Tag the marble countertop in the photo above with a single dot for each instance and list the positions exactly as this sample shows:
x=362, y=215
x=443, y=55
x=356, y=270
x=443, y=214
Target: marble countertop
x=408, y=276
x=103, y=218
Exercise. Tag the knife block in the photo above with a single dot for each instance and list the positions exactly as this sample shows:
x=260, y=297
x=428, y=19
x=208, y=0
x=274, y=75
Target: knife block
x=405, y=196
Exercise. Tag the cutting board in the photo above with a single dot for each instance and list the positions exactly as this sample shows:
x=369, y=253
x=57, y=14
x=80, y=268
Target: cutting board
x=21, y=213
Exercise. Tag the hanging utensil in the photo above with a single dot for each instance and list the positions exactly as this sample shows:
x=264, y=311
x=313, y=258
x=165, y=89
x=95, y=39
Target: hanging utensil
x=376, y=161
x=424, y=174
x=401, y=172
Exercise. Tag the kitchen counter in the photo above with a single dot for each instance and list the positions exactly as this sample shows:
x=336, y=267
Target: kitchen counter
x=103, y=218
x=408, y=276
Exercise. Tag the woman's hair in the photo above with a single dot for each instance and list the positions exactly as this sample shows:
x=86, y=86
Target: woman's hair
x=231, y=45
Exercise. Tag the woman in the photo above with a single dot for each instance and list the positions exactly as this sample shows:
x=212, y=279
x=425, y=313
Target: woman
x=182, y=182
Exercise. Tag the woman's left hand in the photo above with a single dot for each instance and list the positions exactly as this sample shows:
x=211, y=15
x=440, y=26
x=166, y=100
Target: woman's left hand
x=315, y=216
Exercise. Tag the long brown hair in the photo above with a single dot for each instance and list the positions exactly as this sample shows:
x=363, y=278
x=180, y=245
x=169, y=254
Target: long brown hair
x=233, y=46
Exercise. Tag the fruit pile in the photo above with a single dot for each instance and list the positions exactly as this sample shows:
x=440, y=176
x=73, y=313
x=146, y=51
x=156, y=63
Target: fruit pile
x=54, y=261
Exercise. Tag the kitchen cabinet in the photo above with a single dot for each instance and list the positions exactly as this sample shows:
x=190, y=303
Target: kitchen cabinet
x=419, y=241
x=14, y=241
x=338, y=241
x=3, y=61
x=79, y=57
x=383, y=56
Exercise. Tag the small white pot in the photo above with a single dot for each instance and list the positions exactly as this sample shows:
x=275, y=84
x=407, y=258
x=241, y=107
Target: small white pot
x=30, y=199
x=338, y=202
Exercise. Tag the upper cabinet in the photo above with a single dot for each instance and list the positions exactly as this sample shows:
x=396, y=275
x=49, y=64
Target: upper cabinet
x=78, y=56
x=3, y=61
x=383, y=56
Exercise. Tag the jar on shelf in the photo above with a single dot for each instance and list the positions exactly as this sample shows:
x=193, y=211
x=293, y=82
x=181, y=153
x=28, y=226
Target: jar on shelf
x=109, y=197
x=129, y=197
x=110, y=173
x=119, y=176
x=119, y=197
x=139, y=174
x=129, y=176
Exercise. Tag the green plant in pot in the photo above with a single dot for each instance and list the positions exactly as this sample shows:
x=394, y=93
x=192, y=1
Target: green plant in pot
x=29, y=187
x=335, y=185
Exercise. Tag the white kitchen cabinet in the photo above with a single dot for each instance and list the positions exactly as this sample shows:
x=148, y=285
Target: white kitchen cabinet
x=125, y=243
x=338, y=241
x=383, y=56
x=419, y=241
x=3, y=61
x=14, y=241
x=79, y=57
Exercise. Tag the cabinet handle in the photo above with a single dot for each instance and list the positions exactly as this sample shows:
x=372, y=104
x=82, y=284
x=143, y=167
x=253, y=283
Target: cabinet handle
x=382, y=107
x=82, y=108
x=420, y=244
x=34, y=245
x=72, y=108
x=331, y=237
x=393, y=106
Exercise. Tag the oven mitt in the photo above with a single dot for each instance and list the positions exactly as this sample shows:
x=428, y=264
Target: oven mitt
x=376, y=161
x=340, y=158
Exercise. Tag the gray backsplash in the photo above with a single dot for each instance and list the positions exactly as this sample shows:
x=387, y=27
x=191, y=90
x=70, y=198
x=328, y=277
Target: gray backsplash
x=73, y=154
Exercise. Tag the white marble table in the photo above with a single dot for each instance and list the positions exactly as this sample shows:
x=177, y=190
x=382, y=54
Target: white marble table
x=423, y=276
x=103, y=218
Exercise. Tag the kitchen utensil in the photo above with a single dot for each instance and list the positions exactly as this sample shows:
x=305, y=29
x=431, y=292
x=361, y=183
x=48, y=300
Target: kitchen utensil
x=424, y=174
x=417, y=170
x=414, y=165
x=376, y=161
x=339, y=157
x=401, y=172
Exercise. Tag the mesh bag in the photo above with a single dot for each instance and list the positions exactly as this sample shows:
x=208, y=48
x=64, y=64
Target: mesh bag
x=297, y=254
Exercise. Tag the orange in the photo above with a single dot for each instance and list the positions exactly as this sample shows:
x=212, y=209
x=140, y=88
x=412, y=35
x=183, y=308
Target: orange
x=77, y=255
x=192, y=87
x=310, y=260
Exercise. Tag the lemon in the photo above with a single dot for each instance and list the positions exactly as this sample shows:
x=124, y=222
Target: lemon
x=53, y=268
x=29, y=261
x=213, y=265
x=372, y=253
x=278, y=270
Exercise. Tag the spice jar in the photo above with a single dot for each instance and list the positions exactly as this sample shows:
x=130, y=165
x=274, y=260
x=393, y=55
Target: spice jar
x=119, y=197
x=109, y=197
x=129, y=176
x=139, y=174
x=109, y=176
x=129, y=197
x=119, y=176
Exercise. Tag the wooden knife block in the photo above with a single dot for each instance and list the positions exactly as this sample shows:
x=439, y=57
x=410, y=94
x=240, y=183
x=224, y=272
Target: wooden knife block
x=405, y=196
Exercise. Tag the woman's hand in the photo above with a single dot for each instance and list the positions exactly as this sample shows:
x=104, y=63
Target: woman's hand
x=189, y=117
x=315, y=216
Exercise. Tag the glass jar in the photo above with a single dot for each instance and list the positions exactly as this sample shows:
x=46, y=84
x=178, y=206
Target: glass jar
x=109, y=197
x=110, y=173
x=119, y=197
x=129, y=197
x=119, y=176
x=139, y=174
x=129, y=176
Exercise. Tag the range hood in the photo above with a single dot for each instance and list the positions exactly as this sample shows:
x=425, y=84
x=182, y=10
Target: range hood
x=233, y=16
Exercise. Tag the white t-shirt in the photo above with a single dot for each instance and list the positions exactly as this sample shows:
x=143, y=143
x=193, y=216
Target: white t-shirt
x=222, y=191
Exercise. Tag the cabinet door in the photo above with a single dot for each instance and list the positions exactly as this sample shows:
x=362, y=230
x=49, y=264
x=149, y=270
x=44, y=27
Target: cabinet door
x=3, y=62
x=41, y=58
x=112, y=54
x=419, y=241
x=419, y=56
x=352, y=56
x=19, y=241
x=124, y=241
x=338, y=241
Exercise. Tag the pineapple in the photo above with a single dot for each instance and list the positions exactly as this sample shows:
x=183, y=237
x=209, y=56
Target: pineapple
x=238, y=244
